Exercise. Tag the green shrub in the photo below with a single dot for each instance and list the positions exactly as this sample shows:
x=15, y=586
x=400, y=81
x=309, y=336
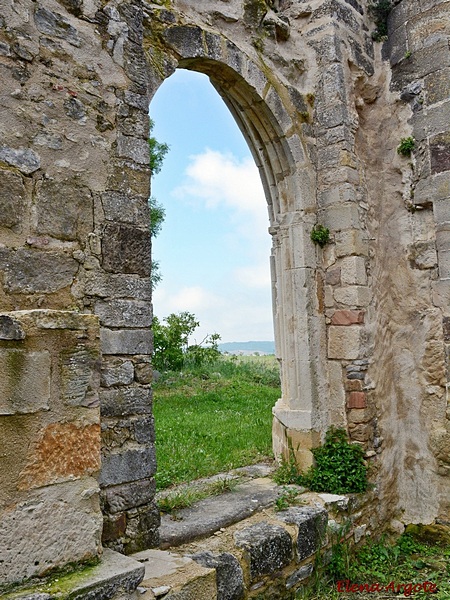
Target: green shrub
x=320, y=235
x=406, y=146
x=171, y=343
x=339, y=466
x=380, y=11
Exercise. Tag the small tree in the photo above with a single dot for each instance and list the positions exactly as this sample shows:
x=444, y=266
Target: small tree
x=158, y=152
x=171, y=343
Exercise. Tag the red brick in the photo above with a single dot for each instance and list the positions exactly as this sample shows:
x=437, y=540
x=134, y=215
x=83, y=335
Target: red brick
x=356, y=400
x=347, y=317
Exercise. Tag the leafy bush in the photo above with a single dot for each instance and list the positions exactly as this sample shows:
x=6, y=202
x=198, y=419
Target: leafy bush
x=171, y=343
x=339, y=467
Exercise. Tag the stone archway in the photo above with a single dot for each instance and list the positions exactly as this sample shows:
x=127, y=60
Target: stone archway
x=275, y=140
x=308, y=90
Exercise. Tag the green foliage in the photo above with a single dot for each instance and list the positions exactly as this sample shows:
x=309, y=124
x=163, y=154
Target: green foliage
x=288, y=497
x=287, y=472
x=339, y=466
x=405, y=561
x=380, y=11
x=158, y=151
x=157, y=216
x=406, y=146
x=171, y=343
x=320, y=235
x=214, y=418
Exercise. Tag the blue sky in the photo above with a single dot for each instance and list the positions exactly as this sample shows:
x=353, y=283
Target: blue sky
x=214, y=247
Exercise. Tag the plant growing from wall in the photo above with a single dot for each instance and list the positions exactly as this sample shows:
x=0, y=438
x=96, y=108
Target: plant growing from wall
x=406, y=146
x=380, y=11
x=339, y=466
x=320, y=235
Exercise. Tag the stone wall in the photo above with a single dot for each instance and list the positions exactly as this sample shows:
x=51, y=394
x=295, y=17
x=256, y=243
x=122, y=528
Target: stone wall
x=361, y=325
x=50, y=430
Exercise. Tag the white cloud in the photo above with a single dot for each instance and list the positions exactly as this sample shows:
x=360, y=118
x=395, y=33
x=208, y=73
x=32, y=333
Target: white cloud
x=239, y=308
x=215, y=179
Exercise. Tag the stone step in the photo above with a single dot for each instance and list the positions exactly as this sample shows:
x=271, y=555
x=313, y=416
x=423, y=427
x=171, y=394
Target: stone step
x=176, y=577
x=212, y=514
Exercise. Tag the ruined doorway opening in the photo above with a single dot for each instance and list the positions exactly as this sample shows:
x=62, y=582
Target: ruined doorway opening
x=218, y=268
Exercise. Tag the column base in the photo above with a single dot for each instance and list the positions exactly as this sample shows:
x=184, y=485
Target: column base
x=288, y=440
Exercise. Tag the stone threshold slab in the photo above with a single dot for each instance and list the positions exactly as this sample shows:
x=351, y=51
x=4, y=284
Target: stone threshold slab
x=212, y=514
x=114, y=575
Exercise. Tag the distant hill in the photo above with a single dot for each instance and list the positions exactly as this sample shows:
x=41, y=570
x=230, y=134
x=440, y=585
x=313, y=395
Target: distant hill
x=248, y=347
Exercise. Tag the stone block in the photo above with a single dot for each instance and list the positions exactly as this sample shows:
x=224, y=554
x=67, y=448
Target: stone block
x=299, y=575
x=344, y=342
x=432, y=120
x=359, y=432
x=106, y=285
x=229, y=574
x=344, y=192
x=440, y=152
x=436, y=86
x=29, y=271
x=10, y=329
x=123, y=208
x=420, y=64
x=142, y=530
x=351, y=242
x=356, y=399
x=353, y=270
x=117, y=371
x=423, y=255
x=12, y=199
x=444, y=264
x=131, y=341
x=432, y=29
x=124, y=497
x=80, y=376
x=433, y=188
x=333, y=276
x=126, y=401
x=339, y=217
x=63, y=209
x=312, y=528
x=359, y=415
x=353, y=385
x=133, y=148
x=54, y=24
x=53, y=526
x=143, y=371
x=124, y=313
x=130, y=178
x=268, y=548
x=347, y=317
x=25, y=381
x=126, y=249
x=127, y=466
x=26, y=160
x=63, y=451
x=353, y=295
x=401, y=13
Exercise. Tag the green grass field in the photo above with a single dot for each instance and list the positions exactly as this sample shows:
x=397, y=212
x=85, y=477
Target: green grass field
x=214, y=418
